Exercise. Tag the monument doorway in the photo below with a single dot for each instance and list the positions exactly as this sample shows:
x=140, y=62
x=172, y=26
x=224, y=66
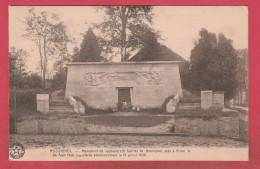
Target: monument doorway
x=124, y=98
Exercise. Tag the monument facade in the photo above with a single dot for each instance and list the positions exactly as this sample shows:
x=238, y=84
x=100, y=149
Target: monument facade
x=106, y=85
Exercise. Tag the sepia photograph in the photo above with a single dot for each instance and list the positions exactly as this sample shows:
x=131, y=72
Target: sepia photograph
x=128, y=83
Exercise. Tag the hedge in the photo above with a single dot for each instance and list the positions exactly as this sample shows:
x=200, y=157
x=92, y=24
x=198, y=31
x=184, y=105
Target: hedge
x=25, y=98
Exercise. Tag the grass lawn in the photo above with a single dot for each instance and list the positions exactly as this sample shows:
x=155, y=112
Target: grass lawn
x=127, y=121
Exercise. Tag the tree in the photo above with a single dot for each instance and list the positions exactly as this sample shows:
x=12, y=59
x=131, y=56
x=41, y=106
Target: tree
x=89, y=50
x=49, y=34
x=17, y=71
x=32, y=81
x=17, y=67
x=59, y=79
x=123, y=27
x=213, y=64
x=151, y=46
x=242, y=71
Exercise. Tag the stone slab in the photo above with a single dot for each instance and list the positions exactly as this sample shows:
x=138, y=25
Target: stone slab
x=43, y=103
x=206, y=99
x=27, y=127
x=218, y=99
x=223, y=126
x=229, y=126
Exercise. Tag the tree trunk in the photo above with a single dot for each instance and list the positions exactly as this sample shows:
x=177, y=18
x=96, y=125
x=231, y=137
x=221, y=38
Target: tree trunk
x=123, y=38
x=44, y=62
x=43, y=78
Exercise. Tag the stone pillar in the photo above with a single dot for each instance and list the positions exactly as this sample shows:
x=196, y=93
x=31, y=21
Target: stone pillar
x=206, y=99
x=42, y=103
x=218, y=99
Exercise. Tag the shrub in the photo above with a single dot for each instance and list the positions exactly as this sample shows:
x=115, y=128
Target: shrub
x=11, y=124
x=59, y=80
x=31, y=81
x=25, y=98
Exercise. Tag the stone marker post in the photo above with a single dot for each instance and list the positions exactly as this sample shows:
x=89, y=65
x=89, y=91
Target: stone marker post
x=206, y=99
x=43, y=103
x=218, y=99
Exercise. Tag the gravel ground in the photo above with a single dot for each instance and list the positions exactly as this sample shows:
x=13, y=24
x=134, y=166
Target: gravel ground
x=117, y=141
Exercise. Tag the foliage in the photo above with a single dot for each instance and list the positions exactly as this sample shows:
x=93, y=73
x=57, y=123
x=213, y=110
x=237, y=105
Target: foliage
x=17, y=71
x=123, y=28
x=89, y=49
x=242, y=70
x=11, y=124
x=17, y=67
x=186, y=75
x=213, y=64
x=59, y=79
x=151, y=46
x=32, y=81
x=49, y=34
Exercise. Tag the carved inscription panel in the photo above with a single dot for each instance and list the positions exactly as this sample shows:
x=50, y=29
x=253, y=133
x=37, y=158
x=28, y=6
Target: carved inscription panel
x=121, y=78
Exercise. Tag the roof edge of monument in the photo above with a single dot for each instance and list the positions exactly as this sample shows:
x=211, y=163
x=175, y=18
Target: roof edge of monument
x=123, y=63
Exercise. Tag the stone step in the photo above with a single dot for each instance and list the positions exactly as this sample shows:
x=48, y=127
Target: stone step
x=62, y=111
x=61, y=107
x=190, y=100
x=189, y=106
x=59, y=103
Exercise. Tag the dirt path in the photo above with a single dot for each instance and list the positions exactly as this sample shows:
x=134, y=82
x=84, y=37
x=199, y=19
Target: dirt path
x=78, y=141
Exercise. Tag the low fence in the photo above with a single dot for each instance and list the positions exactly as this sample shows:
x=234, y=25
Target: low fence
x=222, y=126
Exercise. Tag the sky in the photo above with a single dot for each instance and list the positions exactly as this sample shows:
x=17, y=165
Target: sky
x=178, y=26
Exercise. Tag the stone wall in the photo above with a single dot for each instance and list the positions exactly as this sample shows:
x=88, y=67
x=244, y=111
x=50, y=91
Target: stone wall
x=223, y=126
x=27, y=127
x=64, y=126
x=97, y=83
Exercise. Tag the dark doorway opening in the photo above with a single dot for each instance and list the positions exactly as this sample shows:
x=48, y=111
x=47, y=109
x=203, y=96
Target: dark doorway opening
x=124, y=99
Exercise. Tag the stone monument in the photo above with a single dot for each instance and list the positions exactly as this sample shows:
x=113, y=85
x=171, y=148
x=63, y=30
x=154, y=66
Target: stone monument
x=218, y=99
x=42, y=103
x=206, y=99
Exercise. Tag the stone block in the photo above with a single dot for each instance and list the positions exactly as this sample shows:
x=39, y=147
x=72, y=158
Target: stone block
x=42, y=103
x=171, y=106
x=223, y=126
x=50, y=126
x=27, y=127
x=218, y=99
x=229, y=126
x=208, y=127
x=77, y=106
x=71, y=126
x=186, y=126
x=206, y=99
